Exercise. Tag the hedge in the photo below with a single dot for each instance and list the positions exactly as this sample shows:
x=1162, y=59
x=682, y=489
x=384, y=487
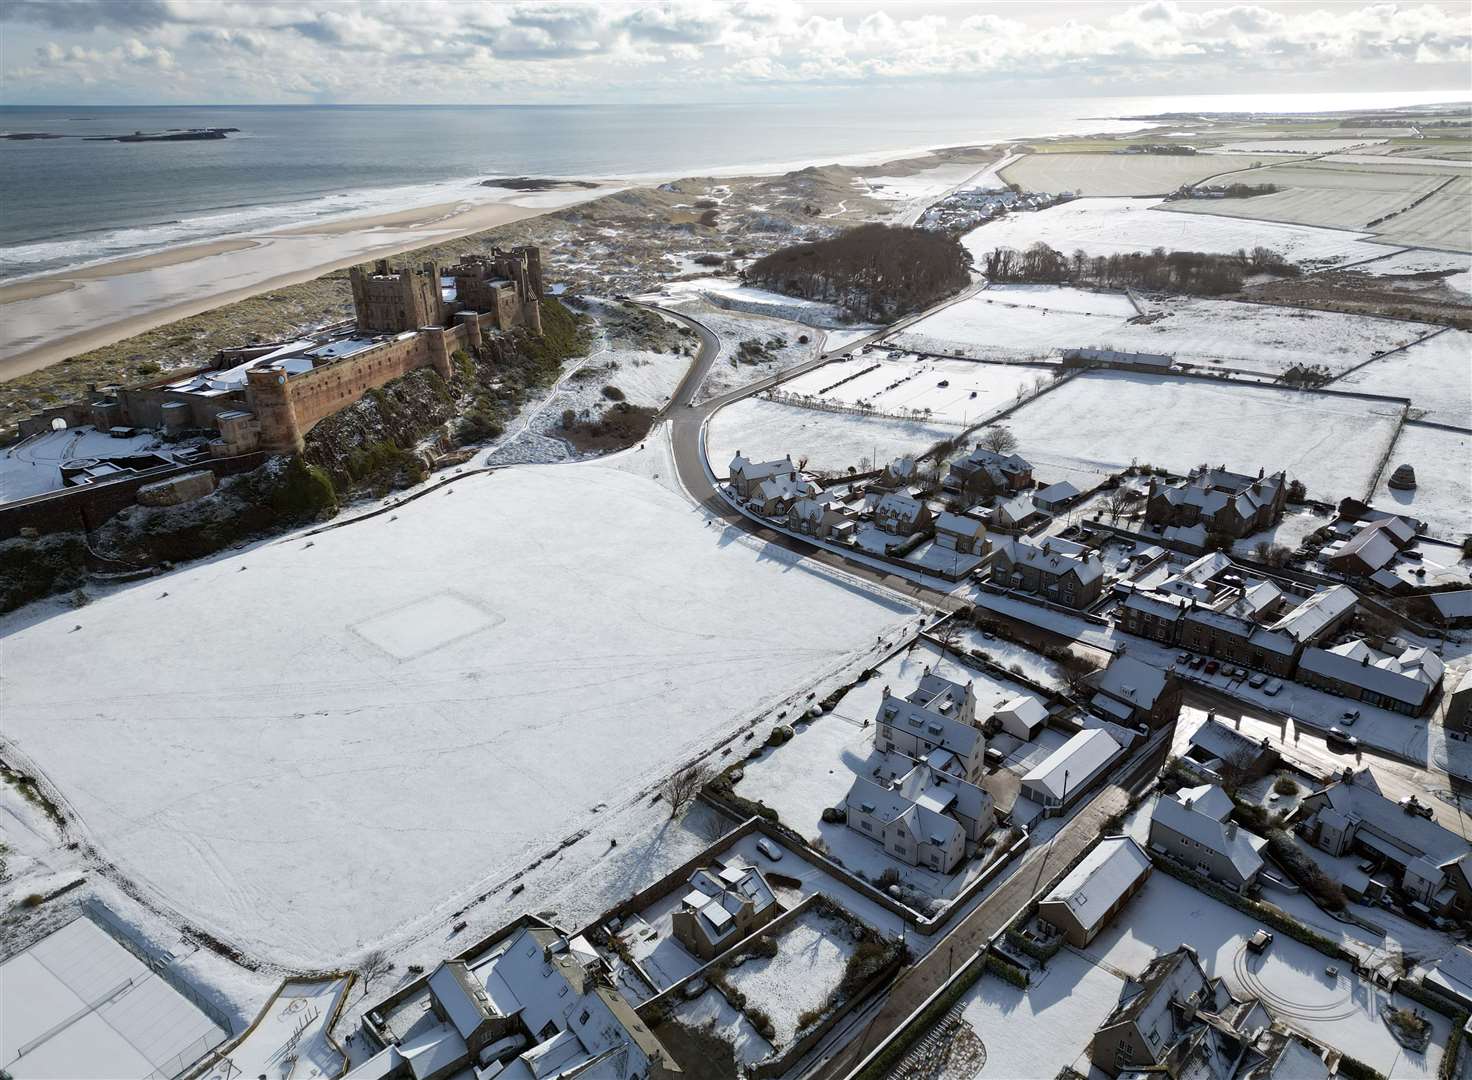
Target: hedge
x=1005, y=970
x=1354, y=1069
x=1424, y=995
x=1032, y=948
x=1276, y=918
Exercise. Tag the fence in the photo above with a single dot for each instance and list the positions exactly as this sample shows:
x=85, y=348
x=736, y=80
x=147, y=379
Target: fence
x=181, y=1061
x=160, y=963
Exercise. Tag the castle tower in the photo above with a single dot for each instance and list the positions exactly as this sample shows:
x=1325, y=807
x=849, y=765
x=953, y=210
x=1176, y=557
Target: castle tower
x=268, y=395
x=395, y=300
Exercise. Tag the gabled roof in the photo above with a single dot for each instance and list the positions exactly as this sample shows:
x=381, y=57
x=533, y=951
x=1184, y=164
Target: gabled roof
x=1226, y=743
x=955, y=735
x=889, y=805
x=758, y=470
x=1318, y=611
x=1238, y=846
x=1208, y=799
x=1369, y=545
x=960, y=525
x=1017, y=508
x=1080, y=757
x=718, y=893
x=900, y=506
x=1132, y=681
x=1026, y=709
x=1397, y=685
x=1105, y=874
x=1453, y=605
x=1056, y=492
x=1051, y=558
x=1359, y=801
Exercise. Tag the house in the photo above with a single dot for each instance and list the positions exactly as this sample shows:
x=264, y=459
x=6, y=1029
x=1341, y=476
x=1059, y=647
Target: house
x=1014, y=514
x=1071, y=770
x=824, y=519
x=899, y=473
x=1021, y=716
x=1193, y=829
x=1132, y=693
x=986, y=472
x=957, y=532
x=1372, y=546
x=724, y=905
x=541, y=1004
x=1406, y=683
x=1082, y=904
x=746, y=474
x=1428, y=864
x=1069, y=574
x=1452, y=609
x=926, y=818
x=945, y=737
x=1113, y=358
x=1320, y=616
x=1458, y=718
x=1055, y=497
x=1451, y=975
x=1227, y=755
x=1224, y=502
x=901, y=515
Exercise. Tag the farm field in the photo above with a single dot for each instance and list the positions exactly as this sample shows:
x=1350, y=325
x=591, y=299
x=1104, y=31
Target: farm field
x=1115, y=174
x=261, y=800
x=1439, y=222
x=1114, y=226
x=1442, y=459
x=1001, y=323
x=1293, y=146
x=1417, y=261
x=1435, y=374
x=831, y=442
x=1105, y=420
x=973, y=389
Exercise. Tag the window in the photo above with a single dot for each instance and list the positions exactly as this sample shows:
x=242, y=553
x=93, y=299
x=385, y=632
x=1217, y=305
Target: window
x=583, y=1019
x=866, y=826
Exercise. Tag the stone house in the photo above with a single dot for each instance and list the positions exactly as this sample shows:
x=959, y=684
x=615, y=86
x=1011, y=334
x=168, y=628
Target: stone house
x=745, y=474
x=901, y=515
x=1092, y=893
x=958, y=532
x=986, y=472
x=925, y=818
x=1055, y=497
x=1132, y=693
x=1428, y=864
x=1224, y=502
x=1406, y=683
x=724, y=905
x=936, y=724
x=1015, y=514
x=1192, y=827
x=820, y=518
x=1458, y=719
x=1066, y=573
x=775, y=495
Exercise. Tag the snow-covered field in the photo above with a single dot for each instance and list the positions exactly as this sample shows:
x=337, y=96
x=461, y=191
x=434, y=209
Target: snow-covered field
x=1418, y=260
x=1290, y=978
x=1331, y=196
x=1043, y=1029
x=830, y=441
x=1435, y=374
x=731, y=294
x=313, y=746
x=972, y=391
x=1292, y=146
x=1443, y=495
x=1108, y=419
x=1006, y=324
x=813, y=950
x=1112, y=226
x=927, y=184
x=733, y=327
x=1115, y=174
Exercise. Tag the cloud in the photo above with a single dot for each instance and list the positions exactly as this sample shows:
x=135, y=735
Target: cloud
x=676, y=49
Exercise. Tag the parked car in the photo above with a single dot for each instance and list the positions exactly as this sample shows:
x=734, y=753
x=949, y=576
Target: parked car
x=1259, y=941
x=1211, y=666
x=769, y=849
x=1350, y=716
x=944, y=383
x=1273, y=686
x=1258, y=681
x=1183, y=658
x=1337, y=736
x=1197, y=661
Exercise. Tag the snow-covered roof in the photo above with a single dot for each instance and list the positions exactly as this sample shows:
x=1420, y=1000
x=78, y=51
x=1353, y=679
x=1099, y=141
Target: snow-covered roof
x=1052, y=558
x=960, y=524
x=1359, y=800
x=1132, y=681
x=1238, y=846
x=1025, y=709
x=925, y=825
x=1453, y=605
x=1056, y=493
x=1081, y=757
x=1208, y=799
x=900, y=506
x=955, y=735
x=939, y=694
x=1406, y=685
x=1369, y=545
x=758, y=470
x=1106, y=873
x=463, y=998
x=717, y=895
x=1452, y=973
x=1017, y=508
x=1310, y=617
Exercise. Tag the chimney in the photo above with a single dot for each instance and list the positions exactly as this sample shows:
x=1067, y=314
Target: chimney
x=1231, y=830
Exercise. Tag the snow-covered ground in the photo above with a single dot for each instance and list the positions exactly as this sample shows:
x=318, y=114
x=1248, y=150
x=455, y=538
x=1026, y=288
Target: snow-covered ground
x=1417, y=261
x=972, y=390
x=1292, y=979
x=1005, y=324
x=782, y=336
x=1046, y=1027
x=1442, y=497
x=1109, y=419
x=33, y=466
x=1113, y=226
x=291, y=1038
x=763, y=429
x=812, y=952
x=1293, y=146
x=713, y=1013
x=731, y=294
x=319, y=776
x=1289, y=532
x=1436, y=374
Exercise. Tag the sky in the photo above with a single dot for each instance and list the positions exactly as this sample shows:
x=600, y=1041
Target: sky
x=140, y=52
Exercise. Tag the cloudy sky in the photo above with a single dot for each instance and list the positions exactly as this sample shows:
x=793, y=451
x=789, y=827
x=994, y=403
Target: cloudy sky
x=491, y=52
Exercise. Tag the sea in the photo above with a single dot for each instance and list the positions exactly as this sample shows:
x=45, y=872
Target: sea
x=70, y=202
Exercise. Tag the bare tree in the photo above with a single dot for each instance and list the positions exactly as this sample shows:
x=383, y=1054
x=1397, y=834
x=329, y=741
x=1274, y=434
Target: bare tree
x=946, y=633
x=1118, y=503
x=375, y=965
x=999, y=439
x=681, y=789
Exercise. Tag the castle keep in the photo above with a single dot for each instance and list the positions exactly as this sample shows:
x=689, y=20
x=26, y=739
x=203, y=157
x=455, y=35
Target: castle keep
x=267, y=397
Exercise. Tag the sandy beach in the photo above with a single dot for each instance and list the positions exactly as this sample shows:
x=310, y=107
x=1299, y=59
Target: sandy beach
x=48, y=319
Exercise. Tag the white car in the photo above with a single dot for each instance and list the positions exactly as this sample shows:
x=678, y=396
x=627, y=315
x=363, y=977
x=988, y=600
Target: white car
x=769, y=849
x=1273, y=686
x=1258, y=681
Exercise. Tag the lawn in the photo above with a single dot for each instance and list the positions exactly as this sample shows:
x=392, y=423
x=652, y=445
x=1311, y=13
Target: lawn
x=1109, y=419
x=1442, y=498
x=312, y=747
x=1436, y=374
x=830, y=441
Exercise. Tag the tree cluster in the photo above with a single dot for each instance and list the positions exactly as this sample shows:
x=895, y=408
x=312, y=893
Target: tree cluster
x=1195, y=272
x=875, y=271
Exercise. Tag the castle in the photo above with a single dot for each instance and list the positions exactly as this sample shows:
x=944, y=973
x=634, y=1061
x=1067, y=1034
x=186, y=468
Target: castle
x=267, y=397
